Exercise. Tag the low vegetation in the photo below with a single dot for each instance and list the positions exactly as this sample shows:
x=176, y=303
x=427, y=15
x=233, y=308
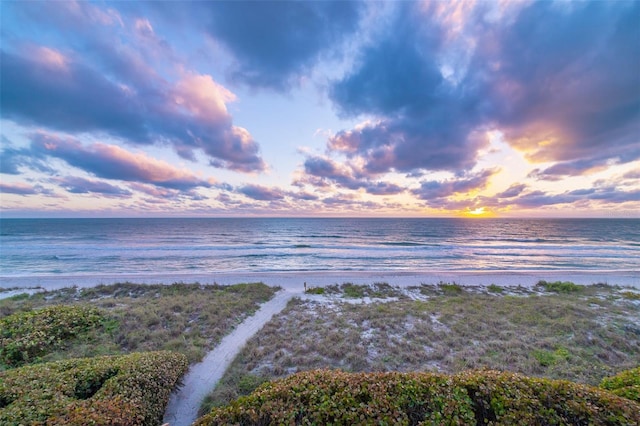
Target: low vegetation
x=580, y=336
x=469, y=398
x=626, y=384
x=560, y=286
x=26, y=336
x=187, y=318
x=124, y=390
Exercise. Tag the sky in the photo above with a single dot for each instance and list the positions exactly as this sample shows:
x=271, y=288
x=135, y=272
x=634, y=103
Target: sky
x=320, y=108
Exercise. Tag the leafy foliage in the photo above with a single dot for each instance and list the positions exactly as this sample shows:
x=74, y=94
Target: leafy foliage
x=560, y=286
x=469, y=398
x=124, y=390
x=315, y=290
x=450, y=289
x=492, y=288
x=26, y=336
x=625, y=383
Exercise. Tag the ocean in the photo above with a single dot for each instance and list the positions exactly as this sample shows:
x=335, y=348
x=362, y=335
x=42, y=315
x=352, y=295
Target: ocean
x=68, y=247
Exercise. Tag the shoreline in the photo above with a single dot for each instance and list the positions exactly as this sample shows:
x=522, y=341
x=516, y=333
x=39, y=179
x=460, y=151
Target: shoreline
x=294, y=281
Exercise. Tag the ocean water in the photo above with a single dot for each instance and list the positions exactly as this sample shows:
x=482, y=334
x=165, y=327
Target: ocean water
x=39, y=247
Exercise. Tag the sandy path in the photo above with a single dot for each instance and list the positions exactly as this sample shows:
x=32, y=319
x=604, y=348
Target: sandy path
x=183, y=406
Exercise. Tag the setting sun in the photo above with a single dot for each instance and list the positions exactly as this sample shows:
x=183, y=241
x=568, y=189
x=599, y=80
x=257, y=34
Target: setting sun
x=479, y=212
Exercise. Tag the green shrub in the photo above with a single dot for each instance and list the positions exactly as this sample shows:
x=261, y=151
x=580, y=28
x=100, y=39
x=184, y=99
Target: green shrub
x=560, y=286
x=25, y=336
x=123, y=390
x=314, y=290
x=492, y=288
x=548, y=358
x=354, y=290
x=625, y=383
x=450, y=289
x=470, y=398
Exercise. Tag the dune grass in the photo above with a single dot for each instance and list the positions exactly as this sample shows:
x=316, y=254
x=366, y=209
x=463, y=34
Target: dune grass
x=186, y=318
x=581, y=336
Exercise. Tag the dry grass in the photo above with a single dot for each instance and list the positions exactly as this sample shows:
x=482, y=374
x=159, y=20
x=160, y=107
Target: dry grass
x=187, y=318
x=580, y=336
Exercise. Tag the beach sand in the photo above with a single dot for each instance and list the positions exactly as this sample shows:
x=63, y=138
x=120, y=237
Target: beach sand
x=294, y=281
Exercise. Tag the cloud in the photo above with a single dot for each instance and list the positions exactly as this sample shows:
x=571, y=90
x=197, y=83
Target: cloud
x=565, y=84
x=261, y=193
x=322, y=171
x=66, y=96
x=113, y=162
x=513, y=191
x=13, y=159
x=20, y=189
x=77, y=185
x=572, y=168
x=276, y=42
x=434, y=189
x=559, y=79
x=423, y=120
x=538, y=199
x=114, y=81
x=597, y=196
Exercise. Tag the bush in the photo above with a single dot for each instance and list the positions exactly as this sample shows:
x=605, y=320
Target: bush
x=470, y=398
x=560, y=286
x=25, y=336
x=625, y=383
x=124, y=390
x=492, y=288
x=450, y=289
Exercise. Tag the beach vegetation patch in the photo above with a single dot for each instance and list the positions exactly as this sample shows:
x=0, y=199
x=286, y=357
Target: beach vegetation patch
x=315, y=290
x=492, y=288
x=630, y=295
x=124, y=390
x=26, y=336
x=555, y=335
x=187, y=318
x=548, y=358
x=626, y=384
x=378, y=290
x=353, y=290
x=450, y=289
x=560, y=286
x=467, y=398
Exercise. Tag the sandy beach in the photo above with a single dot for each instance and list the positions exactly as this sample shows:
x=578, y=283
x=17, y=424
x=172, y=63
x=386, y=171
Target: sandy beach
x=294, y=281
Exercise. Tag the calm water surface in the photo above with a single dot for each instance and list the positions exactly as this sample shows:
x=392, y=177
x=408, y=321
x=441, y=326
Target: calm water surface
x=95, y=246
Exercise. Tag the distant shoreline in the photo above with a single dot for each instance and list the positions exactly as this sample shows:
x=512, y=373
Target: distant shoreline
x=294, y=281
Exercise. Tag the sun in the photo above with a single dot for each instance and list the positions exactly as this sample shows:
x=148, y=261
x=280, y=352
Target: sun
x=478, y=212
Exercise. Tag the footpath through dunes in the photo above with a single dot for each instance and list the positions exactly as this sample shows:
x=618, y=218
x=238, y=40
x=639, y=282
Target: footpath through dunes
x=202, y=377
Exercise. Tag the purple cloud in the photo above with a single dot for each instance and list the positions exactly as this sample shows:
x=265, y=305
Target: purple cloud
x=113, y=162
x=77, y=185
x=261, y=193
x=322, y=171
x=276, y=42
x=104, y=86
x=560, y=80
x=432, y=190
x=20, y=188
x=596, y=196
x=567, y=87
x=14, y=159
x=513, y=191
